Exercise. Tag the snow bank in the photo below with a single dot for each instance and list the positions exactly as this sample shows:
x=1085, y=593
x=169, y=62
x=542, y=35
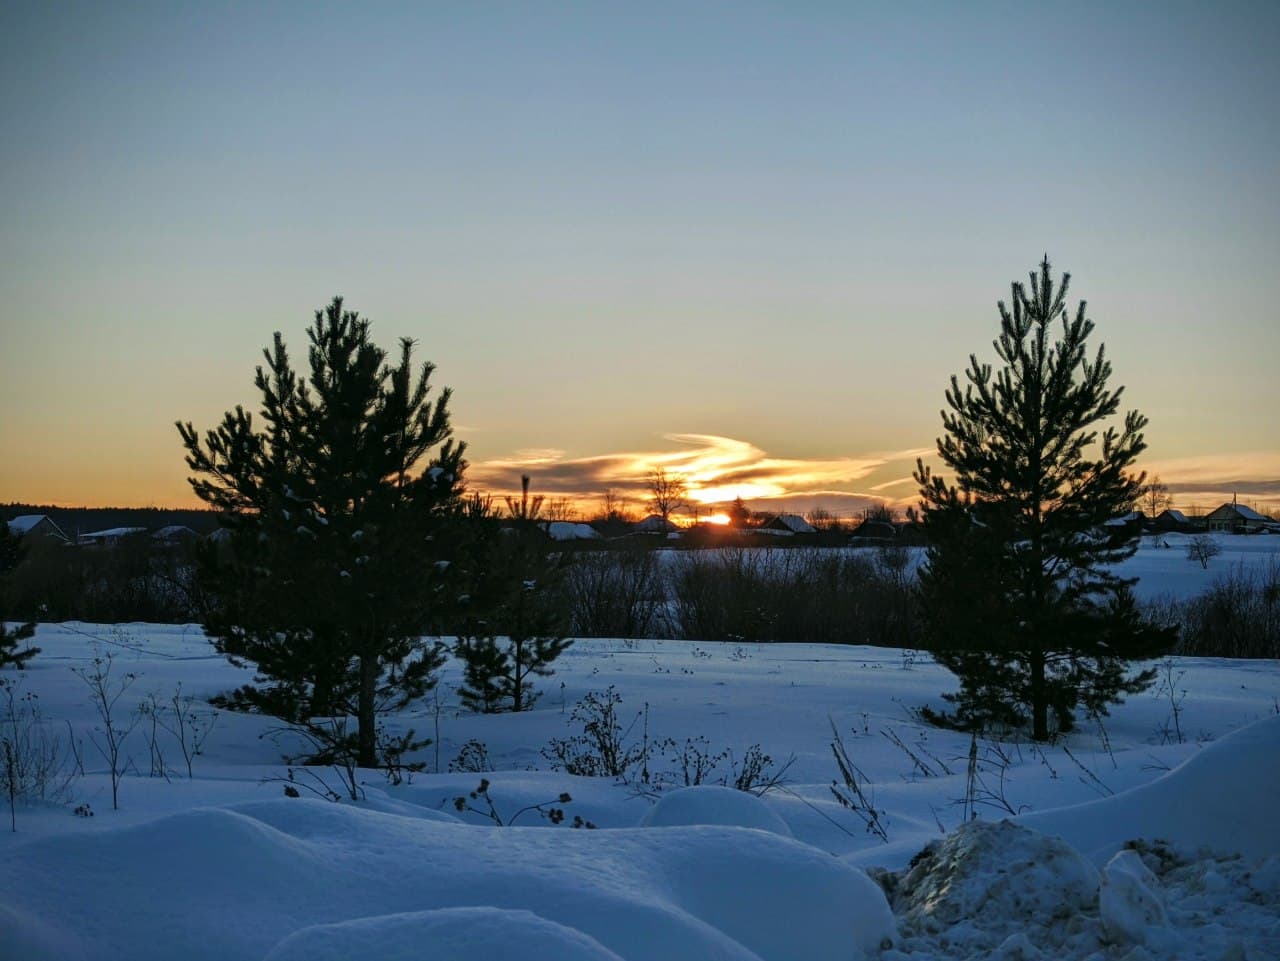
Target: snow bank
x=306, y=877
x=713, y=804
x=1223, y=799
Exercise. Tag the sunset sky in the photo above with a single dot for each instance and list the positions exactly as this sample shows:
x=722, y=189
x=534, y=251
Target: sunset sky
x=746, y=242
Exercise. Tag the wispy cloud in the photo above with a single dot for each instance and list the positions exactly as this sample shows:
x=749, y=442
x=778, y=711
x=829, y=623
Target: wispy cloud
x=716, y=469
x=1210, y=479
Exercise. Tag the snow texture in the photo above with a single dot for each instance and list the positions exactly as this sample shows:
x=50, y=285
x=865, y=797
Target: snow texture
x=1135, y=845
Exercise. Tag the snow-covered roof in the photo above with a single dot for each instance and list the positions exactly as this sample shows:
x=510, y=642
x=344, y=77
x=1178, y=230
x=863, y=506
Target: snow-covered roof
x=112, y=533
x=1178, y=516
x=1128, y=518
x=20, y=525
x=654, y=523
x=1227, y=511
x=796, y=524
x=567, y=531
x=174, y=532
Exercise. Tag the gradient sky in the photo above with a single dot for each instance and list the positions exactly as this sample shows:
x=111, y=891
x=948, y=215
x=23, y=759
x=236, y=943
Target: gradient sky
x=764, y=234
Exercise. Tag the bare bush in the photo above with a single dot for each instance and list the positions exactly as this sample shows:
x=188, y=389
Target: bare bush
x=616, y=593
x=794, y=594
x=1202, y=548
x=34, y=764
x=1239, y=616
x=604, y=748
x=112, y=734
x=853, y=790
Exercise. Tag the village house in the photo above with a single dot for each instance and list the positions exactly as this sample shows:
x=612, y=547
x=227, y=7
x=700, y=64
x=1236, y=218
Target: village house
x=37, y=526
x=1237, y=519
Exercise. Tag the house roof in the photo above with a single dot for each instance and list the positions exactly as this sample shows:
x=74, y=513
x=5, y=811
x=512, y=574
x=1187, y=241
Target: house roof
x=20, y=525
x=29, y=522
x=654, y=523
x=796, y=524
x=174, y=532
x=1128, y=518
x=113, y=533
x=1178, y=516
x=1239, y=511
x=875, y=529
x=568, y=531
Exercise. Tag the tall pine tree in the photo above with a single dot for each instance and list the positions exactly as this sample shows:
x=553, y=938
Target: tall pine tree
x=337, y=548
x=1018, y=597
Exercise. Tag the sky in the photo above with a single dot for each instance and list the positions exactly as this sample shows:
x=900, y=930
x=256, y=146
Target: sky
x=748, y=242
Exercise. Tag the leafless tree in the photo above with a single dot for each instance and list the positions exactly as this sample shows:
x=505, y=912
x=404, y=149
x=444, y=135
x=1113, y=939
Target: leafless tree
x=1155, y=498
x=823, y=519
x=614, y=507
x=1202, y=548
x=667, y=492
x=560, y=509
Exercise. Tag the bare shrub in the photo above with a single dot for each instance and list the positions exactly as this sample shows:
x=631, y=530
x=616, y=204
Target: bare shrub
x=34, y=764
x=472, y=759
x=112, y=734
x=794, y=594
x=853, y=791
x=1202, y=548
x=604, y=748
x=616, y=593
x=1239, y=616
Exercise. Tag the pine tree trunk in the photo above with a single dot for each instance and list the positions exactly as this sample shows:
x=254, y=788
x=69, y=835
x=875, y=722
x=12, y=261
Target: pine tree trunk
x=366, y=742
x=1039, y=696
x=517, y=689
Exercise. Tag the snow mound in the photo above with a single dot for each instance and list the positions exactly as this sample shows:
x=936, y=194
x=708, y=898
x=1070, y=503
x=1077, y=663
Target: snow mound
x=989, y=874
x=488, y=933
x=1002, y=891
x=233, y=884
x=1222, y=799
x=713, y=804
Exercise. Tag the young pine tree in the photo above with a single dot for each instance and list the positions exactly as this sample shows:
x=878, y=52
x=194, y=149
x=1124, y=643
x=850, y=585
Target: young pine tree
x=10, y=555
x=1017, y=596
x=520, y=616
x=337, y=548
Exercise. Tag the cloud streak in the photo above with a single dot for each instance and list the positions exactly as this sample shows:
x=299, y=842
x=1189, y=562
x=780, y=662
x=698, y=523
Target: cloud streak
x=1208, y=480
x=716, y=469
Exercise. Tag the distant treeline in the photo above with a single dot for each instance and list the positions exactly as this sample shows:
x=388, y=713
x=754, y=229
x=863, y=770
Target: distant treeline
x=85, y=520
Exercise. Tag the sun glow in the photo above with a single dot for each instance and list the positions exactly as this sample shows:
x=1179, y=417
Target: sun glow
x=721, y=519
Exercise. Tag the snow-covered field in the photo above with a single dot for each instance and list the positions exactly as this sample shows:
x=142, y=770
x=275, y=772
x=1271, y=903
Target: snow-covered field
x=226, y=866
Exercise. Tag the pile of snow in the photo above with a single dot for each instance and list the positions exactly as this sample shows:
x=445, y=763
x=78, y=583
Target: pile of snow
x=295, y=878
x=1209, y=888
x=712, y=804
x=1006, y=892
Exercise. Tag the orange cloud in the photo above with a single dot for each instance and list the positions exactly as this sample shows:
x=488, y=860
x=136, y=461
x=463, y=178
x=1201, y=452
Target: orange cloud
x=716, y=470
